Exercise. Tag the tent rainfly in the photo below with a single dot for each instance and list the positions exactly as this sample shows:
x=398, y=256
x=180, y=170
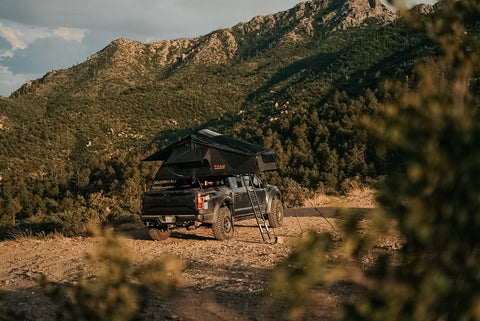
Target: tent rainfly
x=207, y=153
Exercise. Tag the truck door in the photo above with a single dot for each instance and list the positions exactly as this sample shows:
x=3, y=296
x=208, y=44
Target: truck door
x=243, y=207
x=240, y=197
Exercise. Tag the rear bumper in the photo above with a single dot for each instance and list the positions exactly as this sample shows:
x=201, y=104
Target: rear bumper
x=168, y=219
x=176, y=220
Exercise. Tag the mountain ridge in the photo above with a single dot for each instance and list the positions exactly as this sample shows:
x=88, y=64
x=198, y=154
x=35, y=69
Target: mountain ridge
x=219, y=46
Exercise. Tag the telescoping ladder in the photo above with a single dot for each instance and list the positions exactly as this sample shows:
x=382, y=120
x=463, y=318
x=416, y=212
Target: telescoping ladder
x=257, y=209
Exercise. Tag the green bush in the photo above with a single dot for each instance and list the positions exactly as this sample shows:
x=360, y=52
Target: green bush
x=293, y=194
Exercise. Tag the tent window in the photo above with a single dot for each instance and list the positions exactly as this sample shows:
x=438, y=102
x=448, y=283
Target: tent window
x=268, y=158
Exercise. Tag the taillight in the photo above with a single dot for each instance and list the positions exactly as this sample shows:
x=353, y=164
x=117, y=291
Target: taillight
x=200, y=203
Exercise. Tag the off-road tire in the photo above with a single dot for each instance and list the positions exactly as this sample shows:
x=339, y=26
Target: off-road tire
x=159, y=234
x=275, y=217
x=223, y=226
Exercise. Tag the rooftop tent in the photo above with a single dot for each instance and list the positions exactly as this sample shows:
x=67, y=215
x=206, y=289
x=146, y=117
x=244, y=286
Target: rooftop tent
x=207, y=153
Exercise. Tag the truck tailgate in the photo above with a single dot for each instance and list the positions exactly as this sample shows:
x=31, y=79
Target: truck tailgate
x=169, y=203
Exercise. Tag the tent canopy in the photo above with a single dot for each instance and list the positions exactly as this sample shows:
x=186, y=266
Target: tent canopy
x=207, y=153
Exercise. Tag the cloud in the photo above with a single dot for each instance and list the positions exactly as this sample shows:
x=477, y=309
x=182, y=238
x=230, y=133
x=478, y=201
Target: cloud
x=20, y=37
x=12, y=37
x=6, y=53
x=46, y=54
x=69, y=34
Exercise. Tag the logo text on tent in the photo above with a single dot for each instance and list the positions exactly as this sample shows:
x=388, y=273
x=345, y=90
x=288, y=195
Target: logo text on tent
x=222, y=166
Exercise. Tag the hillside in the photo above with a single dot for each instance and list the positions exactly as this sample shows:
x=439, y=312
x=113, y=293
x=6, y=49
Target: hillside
x=298, y=80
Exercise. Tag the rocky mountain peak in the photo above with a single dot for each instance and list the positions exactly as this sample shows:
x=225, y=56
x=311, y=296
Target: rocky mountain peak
x=291, y=25
x=353, y=13
x=327, y=15
x=125, y=59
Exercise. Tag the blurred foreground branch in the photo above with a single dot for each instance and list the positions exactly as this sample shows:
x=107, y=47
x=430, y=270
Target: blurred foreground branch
x=114, y=292
x=434, y=128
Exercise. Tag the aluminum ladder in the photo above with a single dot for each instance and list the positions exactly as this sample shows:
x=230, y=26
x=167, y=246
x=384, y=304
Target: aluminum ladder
x=257, y=209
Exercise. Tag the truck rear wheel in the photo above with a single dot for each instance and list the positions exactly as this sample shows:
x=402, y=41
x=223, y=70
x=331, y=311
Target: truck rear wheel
x=275, y=217
x=223, y=226
x=159, y=234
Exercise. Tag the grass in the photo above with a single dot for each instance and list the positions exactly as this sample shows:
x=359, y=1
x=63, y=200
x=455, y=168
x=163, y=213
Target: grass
x=364, y=197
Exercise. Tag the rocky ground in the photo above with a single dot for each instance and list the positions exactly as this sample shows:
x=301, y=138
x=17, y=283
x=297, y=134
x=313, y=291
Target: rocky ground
x=223, y=280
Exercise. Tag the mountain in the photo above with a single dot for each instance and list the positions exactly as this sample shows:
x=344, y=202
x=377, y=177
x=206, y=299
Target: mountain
x=298, y=80
x=124, y=58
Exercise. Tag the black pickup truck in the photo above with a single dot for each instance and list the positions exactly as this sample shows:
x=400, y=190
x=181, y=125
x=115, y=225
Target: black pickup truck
x=211, y=201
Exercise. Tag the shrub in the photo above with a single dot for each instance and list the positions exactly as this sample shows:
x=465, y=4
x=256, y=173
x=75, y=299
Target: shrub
x=293, y=194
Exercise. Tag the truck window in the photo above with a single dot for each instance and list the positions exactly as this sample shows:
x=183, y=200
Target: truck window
x=247, y=181
x=239, y=181
x=256, y=181
x=232, y=182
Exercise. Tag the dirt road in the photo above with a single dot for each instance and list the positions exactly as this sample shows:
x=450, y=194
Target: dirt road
x=223, y=280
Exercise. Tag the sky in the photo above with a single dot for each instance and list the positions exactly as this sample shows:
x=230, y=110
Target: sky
x=37, y=36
